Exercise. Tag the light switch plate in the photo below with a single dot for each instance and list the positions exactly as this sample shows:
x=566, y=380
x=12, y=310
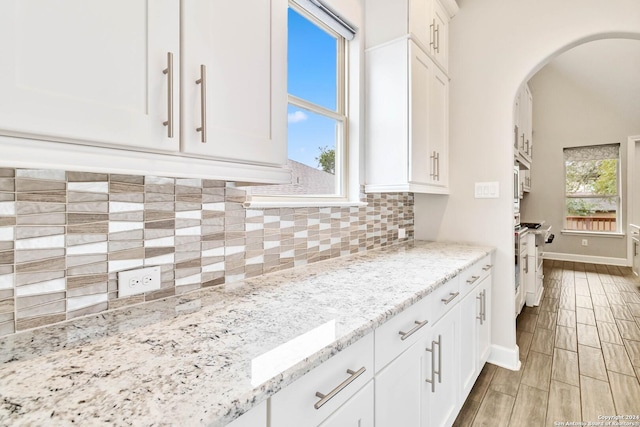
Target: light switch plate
x=487, y=190
x=133, y=282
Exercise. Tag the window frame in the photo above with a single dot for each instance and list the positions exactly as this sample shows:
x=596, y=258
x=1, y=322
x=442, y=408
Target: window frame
x=617, y=197
x=346, y=170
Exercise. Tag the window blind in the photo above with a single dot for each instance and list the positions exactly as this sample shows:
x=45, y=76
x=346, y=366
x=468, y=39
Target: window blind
x=592, y=152
x=328, y=17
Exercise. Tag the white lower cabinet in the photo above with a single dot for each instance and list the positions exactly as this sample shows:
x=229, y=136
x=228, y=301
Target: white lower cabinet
x=339, y=380
x=427, y=358
x=442, y=371
x=475, y=334
x=357, y=412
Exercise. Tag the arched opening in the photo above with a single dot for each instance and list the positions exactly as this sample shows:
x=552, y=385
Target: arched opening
x=495, y=47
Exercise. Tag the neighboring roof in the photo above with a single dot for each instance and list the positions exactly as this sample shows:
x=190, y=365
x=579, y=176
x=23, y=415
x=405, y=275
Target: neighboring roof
x=305, y=180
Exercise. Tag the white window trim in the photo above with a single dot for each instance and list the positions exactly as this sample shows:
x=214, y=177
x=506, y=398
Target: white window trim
x=619, y=205
x=352, y=81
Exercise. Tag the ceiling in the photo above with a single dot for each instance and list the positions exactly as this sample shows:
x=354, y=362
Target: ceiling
x=610, y=68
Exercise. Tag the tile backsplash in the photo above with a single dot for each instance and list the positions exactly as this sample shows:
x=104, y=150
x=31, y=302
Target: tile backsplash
x=65, y=235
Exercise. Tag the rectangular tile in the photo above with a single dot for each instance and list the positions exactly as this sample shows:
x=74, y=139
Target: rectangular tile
x=591, y=362
x=596, y=399
x=565, y=367
x=628, y=329
x=608, y=332
x=537, y=371
x=567, y=318
x=616, y=359
x=633, y=349
x=626, y=394
x=529, y=407
x=564, y=404
x=588, y=335
x=603, y=314
x=495, y=409
x=585, y=316
x=543, y=341
x=566, y=338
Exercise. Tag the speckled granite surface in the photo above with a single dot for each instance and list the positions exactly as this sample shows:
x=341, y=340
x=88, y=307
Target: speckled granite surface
x=204, y=358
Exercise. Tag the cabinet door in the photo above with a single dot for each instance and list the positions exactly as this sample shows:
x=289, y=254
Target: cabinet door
x=439, y=127
x=242, y=46
x=443, y=397
x=440, y=46
x=484, y=331
x=398, y=388
x=470, y=311
x=357, y=412
x=422, y=160
x=636, y=257
x=90, y=72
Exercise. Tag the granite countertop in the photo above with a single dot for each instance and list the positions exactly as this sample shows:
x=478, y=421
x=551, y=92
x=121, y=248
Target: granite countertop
x=206, y=357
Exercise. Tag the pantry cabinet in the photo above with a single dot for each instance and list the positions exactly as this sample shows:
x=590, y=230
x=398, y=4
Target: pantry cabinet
x=407, y=120
x=66, y=75
x=173, y=87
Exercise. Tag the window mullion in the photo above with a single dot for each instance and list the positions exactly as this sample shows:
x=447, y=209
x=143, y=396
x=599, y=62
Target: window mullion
x=301, y=103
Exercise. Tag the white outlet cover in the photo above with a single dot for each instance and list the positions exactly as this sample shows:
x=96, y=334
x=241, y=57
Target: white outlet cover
x=148, y=279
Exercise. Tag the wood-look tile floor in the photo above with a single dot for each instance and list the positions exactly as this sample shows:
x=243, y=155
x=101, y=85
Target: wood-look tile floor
x=580, y=354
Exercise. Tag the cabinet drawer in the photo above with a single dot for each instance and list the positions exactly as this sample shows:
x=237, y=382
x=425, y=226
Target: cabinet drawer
x=297, y=404
x=444, y=298
x=401, y=331
x=473, y=275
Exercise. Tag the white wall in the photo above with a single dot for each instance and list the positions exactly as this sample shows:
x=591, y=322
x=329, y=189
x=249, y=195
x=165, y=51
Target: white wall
x=495, y=46
x=567, y=113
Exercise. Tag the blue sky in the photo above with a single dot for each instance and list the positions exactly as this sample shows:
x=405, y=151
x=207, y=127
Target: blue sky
x=311, y=76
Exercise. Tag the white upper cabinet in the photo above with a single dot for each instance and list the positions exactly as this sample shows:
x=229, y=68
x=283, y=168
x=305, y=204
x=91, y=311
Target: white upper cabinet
x=81, y=71
x=108, y=77
x=239, y=47
x=407, y=120
x=425, y=21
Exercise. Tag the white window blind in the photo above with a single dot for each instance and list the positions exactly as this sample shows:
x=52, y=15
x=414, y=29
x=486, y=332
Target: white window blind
x=328, y=17
x=593, y=152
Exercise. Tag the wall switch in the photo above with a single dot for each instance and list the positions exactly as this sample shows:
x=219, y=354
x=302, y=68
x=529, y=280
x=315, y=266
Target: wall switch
x=138, y=281
x=487, y=190
x=585, y=242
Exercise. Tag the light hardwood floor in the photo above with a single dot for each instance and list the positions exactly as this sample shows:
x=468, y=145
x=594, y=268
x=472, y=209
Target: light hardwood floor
x=580, y=354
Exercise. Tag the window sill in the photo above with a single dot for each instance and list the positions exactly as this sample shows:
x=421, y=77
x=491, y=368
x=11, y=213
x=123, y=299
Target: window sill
x=306, y=203
x=612, y=234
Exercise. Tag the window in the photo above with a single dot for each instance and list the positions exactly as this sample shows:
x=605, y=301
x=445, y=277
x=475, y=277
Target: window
x=592, y=189
x=317, y=120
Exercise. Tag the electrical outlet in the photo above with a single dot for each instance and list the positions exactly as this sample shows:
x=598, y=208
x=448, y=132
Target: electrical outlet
x=138, y=281
x=402, y=233
x=585, y=242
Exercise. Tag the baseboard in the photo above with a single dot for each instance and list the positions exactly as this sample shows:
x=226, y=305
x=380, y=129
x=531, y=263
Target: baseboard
x=589, y=259
x=508, y=358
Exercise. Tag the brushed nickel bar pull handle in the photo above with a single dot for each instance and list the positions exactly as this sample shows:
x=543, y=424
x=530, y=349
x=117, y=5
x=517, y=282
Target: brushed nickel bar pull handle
x=473, y=279
x=433, y=166
x=432, y=381
x=405, y=335
x=432, y=34
x=169, y=72
x=484, y=306
x=437, y=33
x=202, y=81
x=479, y=316
x=487, y=267
x=439, y=371
x=324, y=398
x=451, y=298
x=438, y=166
